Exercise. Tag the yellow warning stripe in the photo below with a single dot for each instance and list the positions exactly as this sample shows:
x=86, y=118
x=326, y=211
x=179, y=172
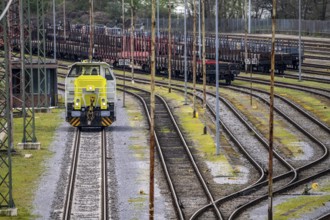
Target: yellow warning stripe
x=106, y=121
x=75, y=122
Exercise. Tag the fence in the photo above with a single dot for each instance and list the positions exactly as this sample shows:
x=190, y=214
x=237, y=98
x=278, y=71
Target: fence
x=286, y=26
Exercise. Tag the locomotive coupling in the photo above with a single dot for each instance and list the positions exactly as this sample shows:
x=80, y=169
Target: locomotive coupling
x=90, y=113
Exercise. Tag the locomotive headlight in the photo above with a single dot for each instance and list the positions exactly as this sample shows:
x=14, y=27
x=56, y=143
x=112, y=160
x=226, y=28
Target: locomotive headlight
x=104, y=103
x=90, y=88
x=77, y=104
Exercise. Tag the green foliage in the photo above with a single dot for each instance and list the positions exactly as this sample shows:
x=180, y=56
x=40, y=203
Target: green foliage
x=295, y=208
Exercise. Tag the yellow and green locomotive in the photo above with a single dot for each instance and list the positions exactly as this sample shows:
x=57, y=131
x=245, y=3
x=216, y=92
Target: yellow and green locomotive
x=90, y=95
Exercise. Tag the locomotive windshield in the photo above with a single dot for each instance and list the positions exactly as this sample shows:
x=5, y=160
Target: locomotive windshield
x=78, y=70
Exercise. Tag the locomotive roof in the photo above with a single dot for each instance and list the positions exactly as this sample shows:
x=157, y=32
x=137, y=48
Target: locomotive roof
x=93, y=63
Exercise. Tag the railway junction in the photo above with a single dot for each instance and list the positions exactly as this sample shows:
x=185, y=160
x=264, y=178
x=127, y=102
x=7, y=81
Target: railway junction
x=179, y=144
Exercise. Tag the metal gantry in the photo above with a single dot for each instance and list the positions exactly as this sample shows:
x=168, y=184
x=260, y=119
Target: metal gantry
x=42, y=73
x=6, y=198
x=27, y=74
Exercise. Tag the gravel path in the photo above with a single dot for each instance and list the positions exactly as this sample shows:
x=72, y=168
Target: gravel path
x=131, y=167
x=128, y=168
x=46, y=193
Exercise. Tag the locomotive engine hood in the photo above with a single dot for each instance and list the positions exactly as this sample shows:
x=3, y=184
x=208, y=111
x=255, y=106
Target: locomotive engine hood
x=88, y=88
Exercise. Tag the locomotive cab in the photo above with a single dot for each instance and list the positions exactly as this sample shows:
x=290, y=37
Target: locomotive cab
x=90, y=95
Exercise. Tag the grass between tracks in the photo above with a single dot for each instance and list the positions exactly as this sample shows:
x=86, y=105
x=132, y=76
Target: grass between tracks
x=283, y=79
x=140, y=147
x=319, y=106
x=258, y=114
x=193, y=127
x=300, y=206
x=27, y=171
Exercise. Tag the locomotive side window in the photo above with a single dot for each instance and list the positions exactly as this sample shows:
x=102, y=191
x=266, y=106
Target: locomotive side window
x=108, y=75
x=75, y=71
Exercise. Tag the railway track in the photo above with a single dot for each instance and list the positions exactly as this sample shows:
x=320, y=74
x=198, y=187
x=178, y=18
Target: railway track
x=189, y=189
x=305, y=178
x=87, y=190
x=304, y=170
x=305, y=77
x=260, y=154
x=257, y=145
x=318, y=57
x=314, y=65
x=315, y=91
x=316, y=130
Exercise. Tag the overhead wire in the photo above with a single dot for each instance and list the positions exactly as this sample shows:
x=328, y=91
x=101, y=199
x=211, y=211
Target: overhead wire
x=6, y=9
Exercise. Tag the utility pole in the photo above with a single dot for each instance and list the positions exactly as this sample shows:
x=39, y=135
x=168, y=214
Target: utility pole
x=299, y=40
x=217, y=78
x=123, y=49
x=54, y=30
x=169, y=46
x=185, y=52
x=64, y=20
x=249, y=16
x=194, y=60
x=248, y=58
x=158, y=22
x=204, y=66
x=271, y=118
x=245, y=36
x=199, y=32
x=91, y=30
x=132, y=40
x=152, y=113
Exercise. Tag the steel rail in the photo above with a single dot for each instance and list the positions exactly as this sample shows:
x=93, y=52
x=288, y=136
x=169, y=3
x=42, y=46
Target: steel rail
x=104, y=185
x=305, y=167
x=191, y=157
x=299, y=169
x=292, y=183
x=289, y=102
x=265, y=143
x=323, y=157
x=72, y=177
x=161, y=156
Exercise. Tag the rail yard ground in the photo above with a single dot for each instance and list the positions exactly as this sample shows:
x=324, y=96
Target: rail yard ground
x=90, y=130
x=41, y=175
x=134, y=148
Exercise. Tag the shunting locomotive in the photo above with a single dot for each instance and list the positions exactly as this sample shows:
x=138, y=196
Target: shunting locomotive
x=90, y=95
